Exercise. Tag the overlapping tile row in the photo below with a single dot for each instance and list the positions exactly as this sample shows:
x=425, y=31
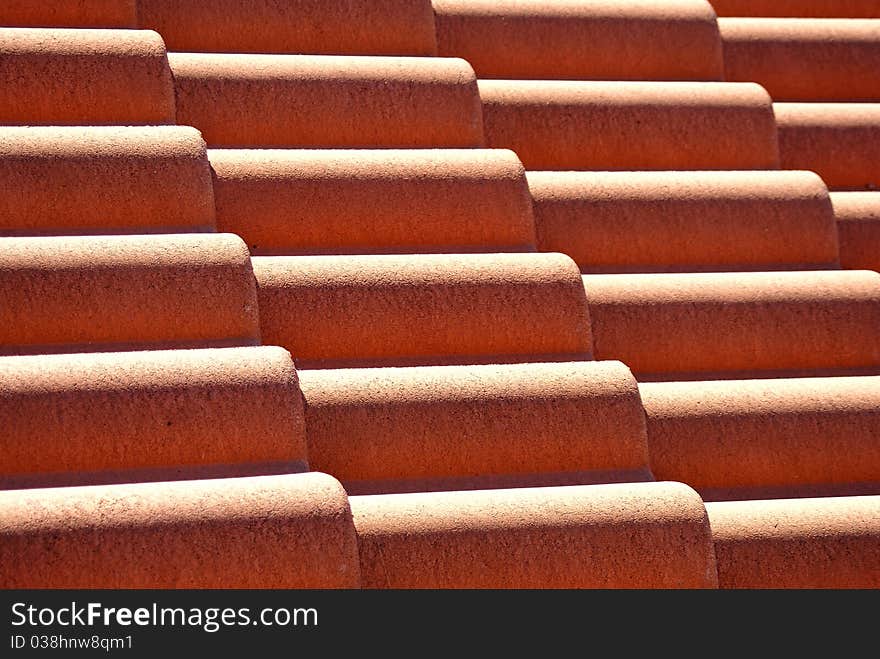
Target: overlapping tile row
x=798, y=8
x=357, y=27
x=155, y=415
x=364, y=207
x=670, y=221
x=303, y=531
x=98, y=293
x=818, y=60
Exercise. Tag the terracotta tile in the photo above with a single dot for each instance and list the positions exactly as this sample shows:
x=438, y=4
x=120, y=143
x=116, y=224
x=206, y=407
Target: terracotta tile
x=452, y=389
x=838, y=141
x=290, y=531
x=72, y=294
x=685, y=221
x=631, y=125
x=794, y=8
x=594, y=536
x=780, y=434
x=354, y=201
x=673, y=323
x=328, y=101
x=74, y=77
x=334, y=311
x=468, y=427
x=354, y=27
x=622, y=40
x=69, y=13
x=801, y=543
x=804, y=59
x=95, y=180
x=858, y=225
x=87, y=417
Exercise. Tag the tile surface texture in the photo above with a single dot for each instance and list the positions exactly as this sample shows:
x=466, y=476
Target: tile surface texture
x=440, y=294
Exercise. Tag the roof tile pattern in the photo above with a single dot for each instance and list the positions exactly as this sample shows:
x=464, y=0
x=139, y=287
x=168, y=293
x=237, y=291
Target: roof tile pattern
x=315, y=201
x=838, y=141
x=729, y=438
x=804, y=59
x=70, y=13
x=680, y=325
x=635, y=535
x=799, y=8
x=797, y=543
x=290, y=531
x=432, y=309
x=328, y=101
x=858, y=225
x=633, y=125
x=685, y=221
x=354, y=27
x=341, y=188
x=623, y=40
x=73, y=77
x=153, y=415
x=455, y=427
x=98, y=180
x=71, y=294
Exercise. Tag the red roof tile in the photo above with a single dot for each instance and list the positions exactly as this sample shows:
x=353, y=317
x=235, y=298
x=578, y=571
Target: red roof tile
x=679, y=325
x=685, y=221
x=632, y=125
x=777, y=435
x=94, y=180
x=808, y=8
x=153, y=415
x=838, y=141
x=353, y=27
x=272, y=531
x=327, y=101
x=74, y=77
x=805, y=543
x=858, y=225
x=423, y=309
x=621, y=40
x=636, y=535
x=355, y=201
x=465, y=427
x=69, y=13
x=804, y=59
x=71, y=294
x=381, y=233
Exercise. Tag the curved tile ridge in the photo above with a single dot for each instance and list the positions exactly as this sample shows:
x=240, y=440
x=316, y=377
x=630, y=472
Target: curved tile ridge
x=93, y=180
x=858, y=226
x=795, y=8
x=751, y=438
x=337, y=311
x=838, y=141
x=644, y=535
x=631, y=125
x=75, y=77
x=475, y=427
x=292, y=531
x=362, y=201
x=671, y=324
x=623, y=40
x=804, y=59
x=685, y=221
x=69, y=13
x=354, y=27
x=78, y=419
x=97, y=293
x=328, y=101
x=797, y=543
